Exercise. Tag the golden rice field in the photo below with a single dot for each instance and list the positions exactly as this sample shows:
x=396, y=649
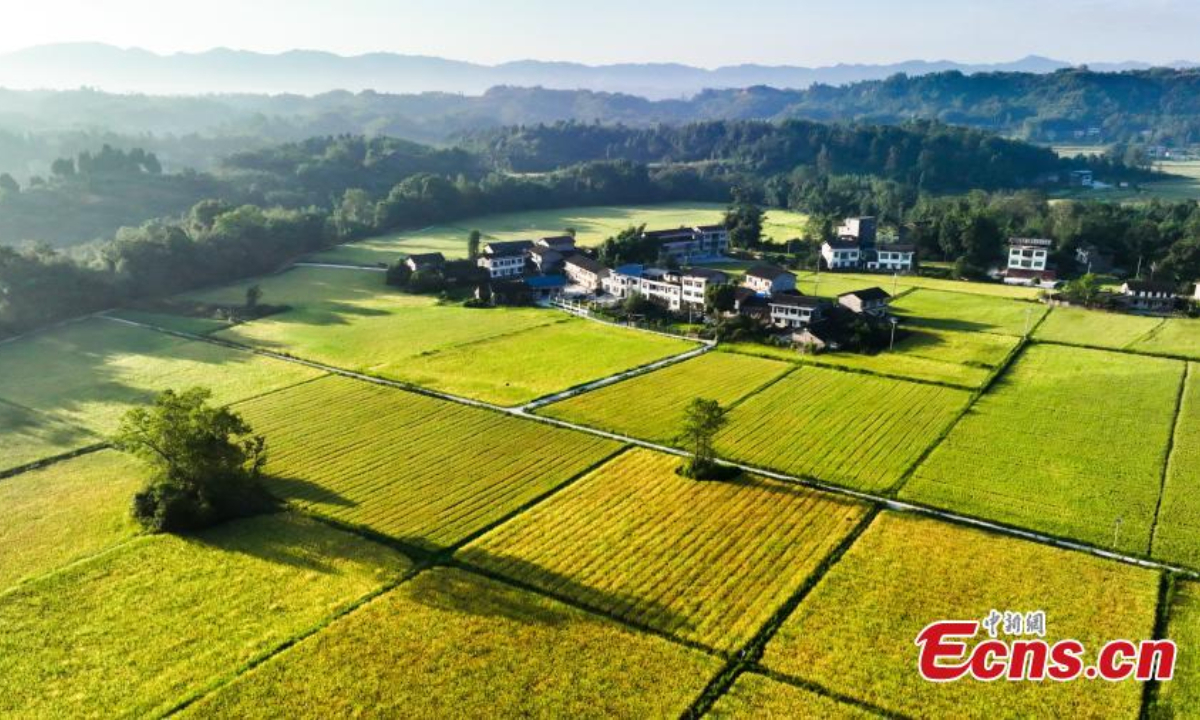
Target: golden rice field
x=65, y=512
x=452, y=644
x=967, y=312
x=845, y=428
x=757, y=696
x=1070, y=442
x=1180, y=697
x=707, y=562
x=651, y=406
x=1177, y=532
x=854, y=633
x=139, y=629
x=418, y=469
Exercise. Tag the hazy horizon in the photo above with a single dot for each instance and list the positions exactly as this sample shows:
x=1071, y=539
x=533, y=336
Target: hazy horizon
x=762, y=32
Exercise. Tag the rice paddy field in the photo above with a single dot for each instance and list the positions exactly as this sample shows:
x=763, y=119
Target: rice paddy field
x=970, y=313
x=1070, y=442
x=651, y=406
x=1177, y=532
x=853, y=634
x=962, y=359
x=420, y=470
x=1076, y=326
x=139, y=629
x=65, y=512
x=350, y=319
x=706, y=562
x=831, y=283
x=1181, y=697
x=453, y=644
x=845, y=428
x=64, y=388
x=757, y=696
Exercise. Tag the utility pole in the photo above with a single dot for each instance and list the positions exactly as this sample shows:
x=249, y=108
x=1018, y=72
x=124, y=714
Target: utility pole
x=892, y=344
x=1138, y=274
x=895, y=281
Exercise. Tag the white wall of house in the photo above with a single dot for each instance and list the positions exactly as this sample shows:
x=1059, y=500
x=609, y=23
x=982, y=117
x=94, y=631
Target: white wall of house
x=792, y=316
x=1027, y=258
x=503, y=266
x=893, y=261
x=840, y=259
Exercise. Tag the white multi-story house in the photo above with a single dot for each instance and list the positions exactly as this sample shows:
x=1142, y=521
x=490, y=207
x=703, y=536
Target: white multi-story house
x=841, y=254
x=790, y=310
x=697, y=281
x=674, y=289
x=872, y=301
x=1029, y=261
x=659, y=285
x=894, y=257
x=860, y=229
x=505, y=259
x=561, y=243
x=585, y=272
x=769, y=280
x=703, y=242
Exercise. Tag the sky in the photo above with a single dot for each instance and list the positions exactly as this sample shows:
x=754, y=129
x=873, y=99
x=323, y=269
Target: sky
x=705, y=33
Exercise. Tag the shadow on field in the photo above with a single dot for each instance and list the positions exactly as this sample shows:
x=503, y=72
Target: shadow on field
x=607, y=602
x=944, y=323
x=293, y=489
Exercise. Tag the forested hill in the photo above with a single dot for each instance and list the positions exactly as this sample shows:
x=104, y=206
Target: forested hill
x=91, y=195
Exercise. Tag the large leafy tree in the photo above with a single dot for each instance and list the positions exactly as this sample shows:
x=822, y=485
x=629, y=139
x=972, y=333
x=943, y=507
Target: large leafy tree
x=207, y=462
x=702, y=420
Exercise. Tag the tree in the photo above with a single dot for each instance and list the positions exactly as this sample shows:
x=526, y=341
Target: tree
x=1085, y=289
x=254, y=294
x=473, y=244
x=207, y=462
x=702, y=420
x=744, y=220
x=720, y=298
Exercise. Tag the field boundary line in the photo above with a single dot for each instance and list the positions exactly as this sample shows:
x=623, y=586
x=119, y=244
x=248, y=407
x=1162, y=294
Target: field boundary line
x=1162, y=323
x=1169, y=455
x=339, y=266
x=1123, y=351
x=750, y=653
x=54, y=460
x=1162, y=618
x=629, y=374
x=81, y=560
x=853, y=370
x=819, y=689
x=812, y=483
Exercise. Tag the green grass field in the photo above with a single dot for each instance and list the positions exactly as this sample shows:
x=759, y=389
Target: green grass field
x=1076, y=326
x=421, y=470
x=971, y=313
x=757, y=696
x=452, y=644
x=843, y=428
x=515, y=369
x=1180, y=698
x=708, y=562
x=854, y=633
x=136, y=630
x=350, y=319
x=72, y=384
x=832, y=283
x=65, y=512
x=592, y=226
x=962, y=359
x=1071, y=441
x=651, y=406
x=1177, y=533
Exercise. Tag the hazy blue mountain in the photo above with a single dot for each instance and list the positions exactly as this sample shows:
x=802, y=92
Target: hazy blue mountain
x=306, y=72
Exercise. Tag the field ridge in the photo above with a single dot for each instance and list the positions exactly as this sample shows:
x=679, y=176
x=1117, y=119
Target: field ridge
x=1169, y=453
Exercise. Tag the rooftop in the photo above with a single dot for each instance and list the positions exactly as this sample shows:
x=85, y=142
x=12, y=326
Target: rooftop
x=868, y=295
x=588, y=264
x=843, y=244
x=1030, y=242
x=767, y=272
x=510, y=247
x=795, y=300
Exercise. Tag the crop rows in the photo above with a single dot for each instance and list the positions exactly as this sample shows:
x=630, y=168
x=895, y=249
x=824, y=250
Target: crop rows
x=453, y=644
x=1071, y=442
x=651, y=406
x=421, y=470
x=1177, y=533
x=708, y=562
x=960, y=311
x=757, y=696
x=853, y=634
x=840, y=427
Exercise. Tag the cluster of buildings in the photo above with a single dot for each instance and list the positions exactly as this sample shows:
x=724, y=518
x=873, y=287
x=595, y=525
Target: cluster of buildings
x=858, y=247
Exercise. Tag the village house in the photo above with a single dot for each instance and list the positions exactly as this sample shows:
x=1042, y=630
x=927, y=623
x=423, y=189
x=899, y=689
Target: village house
x=674, y=289
x=545, y=259
x=505, y=259
x=872, y=301
x=769, y=280
x=894, y=257
x=862, y=230
x=817, y=337
x=560, y=243
x=842, y=254
x=792, y=310
x=1148, y=296
x=857, y=246
x=585, y=272
x=703, y=242
x=424, y=262
x=1029, y=261
x=545, y=287
x=697, y=281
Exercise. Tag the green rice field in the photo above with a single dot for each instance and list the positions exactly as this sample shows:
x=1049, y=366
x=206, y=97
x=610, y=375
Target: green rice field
x=971, y=313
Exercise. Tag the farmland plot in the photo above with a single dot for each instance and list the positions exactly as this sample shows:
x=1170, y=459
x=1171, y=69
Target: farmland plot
x=757, y=696
x=840, y=427
x=854, y=633
x=1175, y=336
x=651, y=406
x=1071, y=442
x=422, y=470
x=1181, y=697
x=518, y=368
x=1076, y=326
x=1177, y=533
x=708, y=562
x=87, y=374
x=453, y=644
x=961, y=311
x=138, y=629
x=64, y=512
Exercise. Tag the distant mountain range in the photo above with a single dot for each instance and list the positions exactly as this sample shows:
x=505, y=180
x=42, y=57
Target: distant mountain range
x=305, y=72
